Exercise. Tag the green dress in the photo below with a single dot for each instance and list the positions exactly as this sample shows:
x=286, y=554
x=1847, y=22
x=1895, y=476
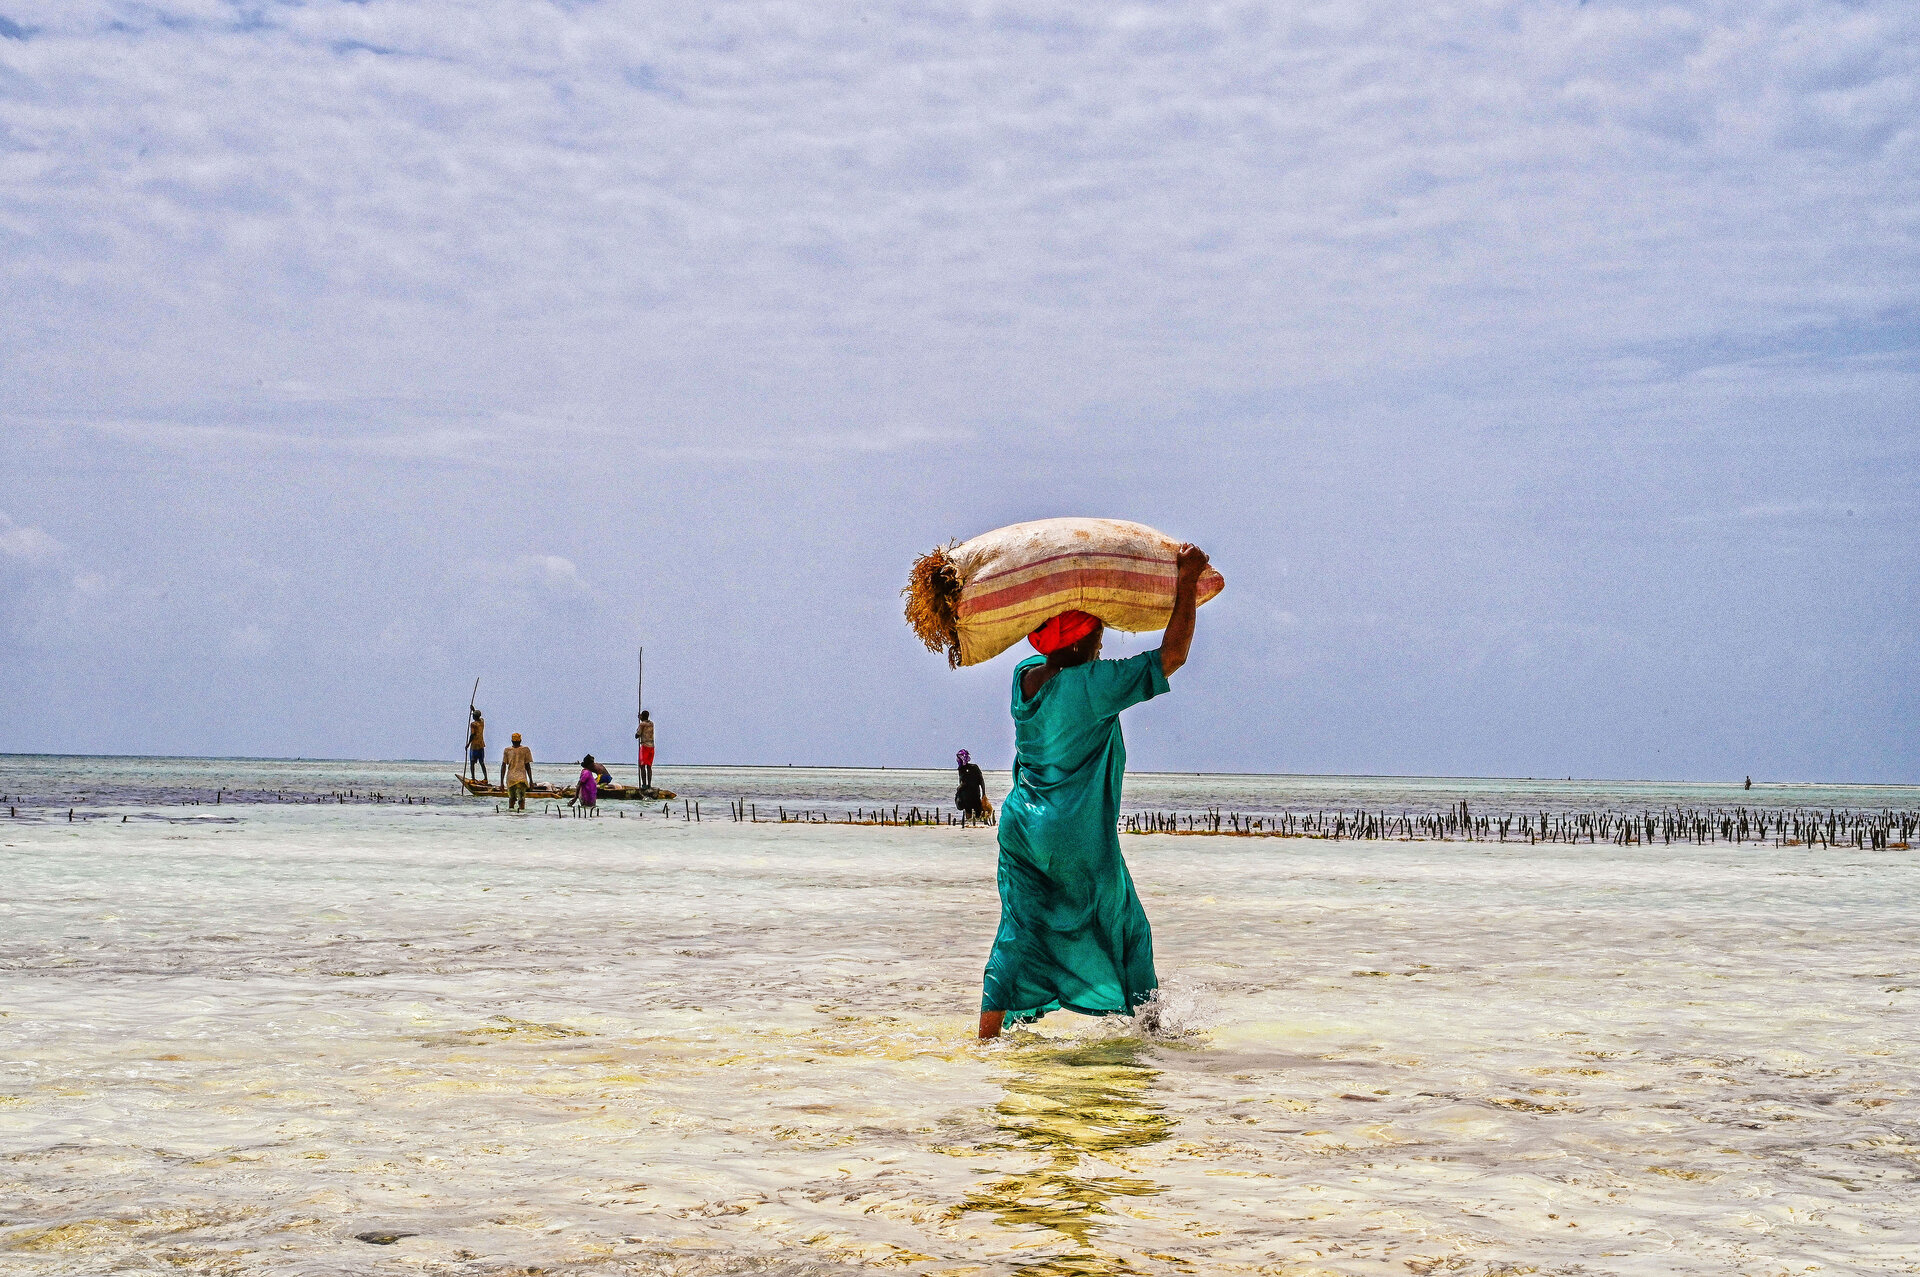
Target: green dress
x=1072, y=932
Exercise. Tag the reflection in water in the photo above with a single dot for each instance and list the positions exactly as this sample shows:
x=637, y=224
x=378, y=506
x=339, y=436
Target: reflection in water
x=1074, y=1107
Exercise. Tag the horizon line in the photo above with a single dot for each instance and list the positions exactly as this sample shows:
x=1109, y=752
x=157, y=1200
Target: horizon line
x=879, y=767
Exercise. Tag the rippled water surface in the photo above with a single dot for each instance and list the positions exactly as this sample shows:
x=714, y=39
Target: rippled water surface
x=285, y=1036
x=127, y=783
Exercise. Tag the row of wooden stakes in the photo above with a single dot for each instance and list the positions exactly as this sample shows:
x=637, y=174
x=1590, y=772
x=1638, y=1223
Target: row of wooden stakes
x=1783, y=827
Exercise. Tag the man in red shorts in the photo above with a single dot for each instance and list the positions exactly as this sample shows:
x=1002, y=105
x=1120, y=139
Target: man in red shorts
x=644, y=734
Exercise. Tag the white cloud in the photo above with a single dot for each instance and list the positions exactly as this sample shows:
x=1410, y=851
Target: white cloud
x=420, y=442
x=549, y=574
x=27, y=544
x=250, y=639
x=775, y=218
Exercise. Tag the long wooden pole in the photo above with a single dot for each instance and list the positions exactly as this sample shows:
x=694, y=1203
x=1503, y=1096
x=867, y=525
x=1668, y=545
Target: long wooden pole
x=466, y=753
x=639, y=703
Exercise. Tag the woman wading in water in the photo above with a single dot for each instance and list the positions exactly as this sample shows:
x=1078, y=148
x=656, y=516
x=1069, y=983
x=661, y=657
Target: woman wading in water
x=971, y=797
x=1072, y=932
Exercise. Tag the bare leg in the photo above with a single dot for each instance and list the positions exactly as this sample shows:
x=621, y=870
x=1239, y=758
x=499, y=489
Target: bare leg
x=990, y=1022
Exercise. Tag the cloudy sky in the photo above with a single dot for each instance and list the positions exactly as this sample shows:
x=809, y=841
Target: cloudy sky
x=1543, y=376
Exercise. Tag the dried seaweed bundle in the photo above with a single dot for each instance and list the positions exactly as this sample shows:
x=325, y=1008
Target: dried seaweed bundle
x=933, y=602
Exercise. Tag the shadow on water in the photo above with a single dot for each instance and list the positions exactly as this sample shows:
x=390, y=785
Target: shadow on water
x=1079, y=1110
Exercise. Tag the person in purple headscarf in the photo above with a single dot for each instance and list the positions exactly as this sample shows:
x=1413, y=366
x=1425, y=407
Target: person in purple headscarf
x=971, y=797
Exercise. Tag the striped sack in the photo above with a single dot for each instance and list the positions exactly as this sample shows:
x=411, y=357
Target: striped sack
x=977, y=599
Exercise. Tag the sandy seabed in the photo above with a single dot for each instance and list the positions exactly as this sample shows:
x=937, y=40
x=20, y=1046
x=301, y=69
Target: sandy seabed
x=432, y=1040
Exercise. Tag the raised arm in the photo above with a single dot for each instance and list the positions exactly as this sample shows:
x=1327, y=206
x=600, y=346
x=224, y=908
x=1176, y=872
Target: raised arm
x=1192, y=561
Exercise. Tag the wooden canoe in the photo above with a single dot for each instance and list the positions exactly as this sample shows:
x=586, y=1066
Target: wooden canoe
x=630, y=793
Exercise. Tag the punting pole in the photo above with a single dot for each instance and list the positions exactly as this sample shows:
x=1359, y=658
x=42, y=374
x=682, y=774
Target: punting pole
x=466, y=759
x=639, y=703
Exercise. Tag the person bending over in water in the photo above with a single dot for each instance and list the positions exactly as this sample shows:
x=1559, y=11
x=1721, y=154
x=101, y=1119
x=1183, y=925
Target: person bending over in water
x=587, y=793
x=1072, y=932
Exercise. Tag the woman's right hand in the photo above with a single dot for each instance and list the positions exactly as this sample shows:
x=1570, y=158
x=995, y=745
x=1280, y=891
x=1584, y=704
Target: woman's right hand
x=1189, y=563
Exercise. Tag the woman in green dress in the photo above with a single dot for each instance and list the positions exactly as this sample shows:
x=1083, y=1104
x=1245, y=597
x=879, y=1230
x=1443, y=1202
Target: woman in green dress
x=1072, y=932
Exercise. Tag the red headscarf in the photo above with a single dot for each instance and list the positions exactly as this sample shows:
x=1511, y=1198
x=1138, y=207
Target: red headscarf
x=1063, y=630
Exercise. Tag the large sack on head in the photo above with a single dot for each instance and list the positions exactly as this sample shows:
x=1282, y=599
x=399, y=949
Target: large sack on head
x=975, y=600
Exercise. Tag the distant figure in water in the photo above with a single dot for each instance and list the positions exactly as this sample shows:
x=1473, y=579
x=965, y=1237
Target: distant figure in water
x=1749, y=782
x=477, y=746
x=644, y=734
x=1072, y=932
x=516, y=773
x=971, y=797
x=587, y=796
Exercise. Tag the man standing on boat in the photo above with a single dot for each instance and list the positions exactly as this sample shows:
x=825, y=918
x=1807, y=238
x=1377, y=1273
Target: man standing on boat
x=516, y=770
x=644, y=734
x=477, y=747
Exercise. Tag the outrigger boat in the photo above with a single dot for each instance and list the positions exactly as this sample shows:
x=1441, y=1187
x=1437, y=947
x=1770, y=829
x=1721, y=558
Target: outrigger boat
x=630, y=792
